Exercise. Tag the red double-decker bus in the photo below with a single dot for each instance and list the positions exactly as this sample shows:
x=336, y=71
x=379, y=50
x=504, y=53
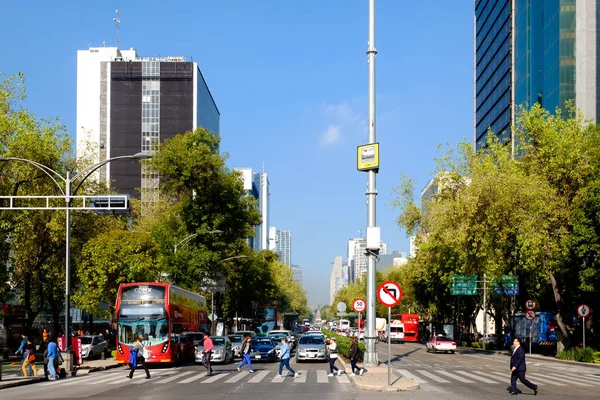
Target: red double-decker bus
x=156, y=311
x=411, y=327
x=264, y=319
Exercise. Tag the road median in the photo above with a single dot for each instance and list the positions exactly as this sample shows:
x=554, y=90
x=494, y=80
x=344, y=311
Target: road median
x=376, y=379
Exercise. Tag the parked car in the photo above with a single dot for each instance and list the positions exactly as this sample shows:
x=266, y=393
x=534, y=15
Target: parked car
x=263, y=349
x=441, y=343
x=222, y=352
x=236, y=343
x=311, y=347
x=92, y=345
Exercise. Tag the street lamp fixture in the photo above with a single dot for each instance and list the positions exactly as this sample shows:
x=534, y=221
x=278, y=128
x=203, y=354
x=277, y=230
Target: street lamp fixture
x=68, y=182
x=190, y=237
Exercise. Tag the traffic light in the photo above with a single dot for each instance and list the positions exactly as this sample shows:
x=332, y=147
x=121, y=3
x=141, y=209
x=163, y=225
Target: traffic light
x=110, y=204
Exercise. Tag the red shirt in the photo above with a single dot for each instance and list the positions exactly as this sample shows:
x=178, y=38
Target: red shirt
x=208, y=344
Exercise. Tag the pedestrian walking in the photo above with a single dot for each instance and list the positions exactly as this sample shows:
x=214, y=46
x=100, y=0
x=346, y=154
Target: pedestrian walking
x=518, y=368
x=332, y=354
x=354, y=356
x=52, y=356
x=208, y=349
x=246, y=349
x=21, y=351
x=138, y=353
x=284, y=355
x=29, y=359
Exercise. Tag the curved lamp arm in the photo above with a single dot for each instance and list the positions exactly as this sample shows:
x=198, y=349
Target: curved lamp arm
x=90, y=170
x=47, y=170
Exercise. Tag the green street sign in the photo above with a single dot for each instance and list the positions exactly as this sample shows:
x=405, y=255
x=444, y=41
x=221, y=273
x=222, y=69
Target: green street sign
x=464, y=285
x=509, y=283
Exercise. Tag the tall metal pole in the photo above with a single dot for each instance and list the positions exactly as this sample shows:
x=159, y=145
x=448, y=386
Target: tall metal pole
x=484, y=310
x=389, y=345
x=370, y=337
x=68, y=260
x=583, y=332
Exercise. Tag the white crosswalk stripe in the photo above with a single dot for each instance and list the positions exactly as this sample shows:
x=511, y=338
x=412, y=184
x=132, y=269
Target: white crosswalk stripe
x=432, y=376
x=577, y=380
x=216, y=377
x=502, y=377
x=194, y=378
x=478, y=378
x=301, y=377
x=455, y=377
x=322, y=376
x=237, y=377
x=258, y=377
x=172, y=378
x=549, y=381
x=343, y=379
x=407, y=374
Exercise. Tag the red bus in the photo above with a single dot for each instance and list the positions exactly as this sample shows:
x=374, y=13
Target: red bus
x=156, y=311
x=411, y=327
x=264, y=319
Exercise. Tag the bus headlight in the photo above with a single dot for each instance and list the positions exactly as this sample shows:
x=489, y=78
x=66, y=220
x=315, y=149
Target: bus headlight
x=165, y=347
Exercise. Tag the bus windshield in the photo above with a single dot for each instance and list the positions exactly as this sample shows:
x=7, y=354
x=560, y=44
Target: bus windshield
x=150, y=322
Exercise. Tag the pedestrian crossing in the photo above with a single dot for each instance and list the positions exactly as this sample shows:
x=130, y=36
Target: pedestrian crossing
x=453, y=376
x=183, y=377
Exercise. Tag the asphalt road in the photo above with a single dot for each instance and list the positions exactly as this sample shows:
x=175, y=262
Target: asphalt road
x=470, y=374
x=462, y=376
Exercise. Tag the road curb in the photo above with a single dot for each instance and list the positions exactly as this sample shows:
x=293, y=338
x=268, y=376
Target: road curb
x=401, y=384
x=20, y=382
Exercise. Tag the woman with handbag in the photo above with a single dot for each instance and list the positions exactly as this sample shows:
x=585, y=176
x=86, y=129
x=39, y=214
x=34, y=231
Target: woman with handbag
x=141, y=354
x=332, y=352
x=29, y=359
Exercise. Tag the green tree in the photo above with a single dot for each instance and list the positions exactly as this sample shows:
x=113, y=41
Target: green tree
x=113, y=258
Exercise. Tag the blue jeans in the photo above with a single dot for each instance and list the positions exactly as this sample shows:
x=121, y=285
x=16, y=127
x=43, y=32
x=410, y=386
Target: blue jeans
x=246, y=360
x=51, y=369
x=286, y=362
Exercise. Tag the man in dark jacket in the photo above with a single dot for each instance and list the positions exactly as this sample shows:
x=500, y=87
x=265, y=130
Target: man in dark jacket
x=518, y=368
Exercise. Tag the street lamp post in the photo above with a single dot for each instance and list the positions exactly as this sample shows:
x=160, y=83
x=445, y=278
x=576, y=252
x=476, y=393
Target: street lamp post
x=68, y=193
x=190, y=237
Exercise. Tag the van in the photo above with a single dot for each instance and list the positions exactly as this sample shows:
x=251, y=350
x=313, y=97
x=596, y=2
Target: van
x=397, y=332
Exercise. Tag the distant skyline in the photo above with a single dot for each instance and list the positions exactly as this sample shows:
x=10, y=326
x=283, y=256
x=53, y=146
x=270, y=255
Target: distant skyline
x=290, y=79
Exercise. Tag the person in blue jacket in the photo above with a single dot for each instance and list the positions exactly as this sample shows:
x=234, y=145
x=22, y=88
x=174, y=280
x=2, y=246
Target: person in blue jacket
x=284, y=354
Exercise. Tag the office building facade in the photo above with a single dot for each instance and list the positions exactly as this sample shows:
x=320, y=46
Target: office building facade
x=336, y=279
x=533, y=51
x=127, y=104
x=283, y=246
x=257, y=185
x=297, y=273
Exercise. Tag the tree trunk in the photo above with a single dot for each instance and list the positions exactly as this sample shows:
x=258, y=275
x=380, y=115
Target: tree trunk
x=563, y=332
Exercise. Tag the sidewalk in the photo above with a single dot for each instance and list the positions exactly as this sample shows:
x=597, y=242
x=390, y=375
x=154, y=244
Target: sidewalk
x=11, y=379
x=376, y=379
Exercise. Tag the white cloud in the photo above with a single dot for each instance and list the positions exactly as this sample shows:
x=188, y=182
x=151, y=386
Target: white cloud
x=331, y=136
x=341, y=120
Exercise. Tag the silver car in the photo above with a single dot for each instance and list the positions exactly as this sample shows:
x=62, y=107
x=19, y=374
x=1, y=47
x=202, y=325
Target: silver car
x=222, y=351
x=311, y=347
x=236, y=344
x=92, y=346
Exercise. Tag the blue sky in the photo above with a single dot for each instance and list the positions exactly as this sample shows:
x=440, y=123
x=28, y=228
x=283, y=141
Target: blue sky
x=290, y=80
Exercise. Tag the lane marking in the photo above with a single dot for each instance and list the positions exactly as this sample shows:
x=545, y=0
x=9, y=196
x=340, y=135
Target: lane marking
x=172, y=378
x=558, y=378
x=479, y=378
x=302, y=377
x=343, y=379
x=216, y=377
x=322, y=376
x=540, y=378
x=431, y=376
x=407, y=374
x=194, y=378
x=259, y=377
x=237, y=377
x=456, y=377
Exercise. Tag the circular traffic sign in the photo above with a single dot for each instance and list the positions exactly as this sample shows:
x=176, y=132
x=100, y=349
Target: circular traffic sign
x=341, y=306
x=583, y=310
x=530, y=304
x=530, y=315
x=359, y=305
x=389, y=293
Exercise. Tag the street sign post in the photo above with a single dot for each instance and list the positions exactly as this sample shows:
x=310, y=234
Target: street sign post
x=530, y=304
x=390, y=295
x=359, y=305
x=583, y=311
x=530, y=316
x=464, y=285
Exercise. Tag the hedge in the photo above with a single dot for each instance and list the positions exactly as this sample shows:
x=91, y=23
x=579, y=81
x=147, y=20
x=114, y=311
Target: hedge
x=344, y=343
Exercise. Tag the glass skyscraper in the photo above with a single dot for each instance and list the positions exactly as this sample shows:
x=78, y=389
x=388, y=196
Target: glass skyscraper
x=525, y=54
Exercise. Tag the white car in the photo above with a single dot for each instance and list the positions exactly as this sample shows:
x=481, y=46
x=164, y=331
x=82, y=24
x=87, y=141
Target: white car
x=441, y=343
x=92, y=346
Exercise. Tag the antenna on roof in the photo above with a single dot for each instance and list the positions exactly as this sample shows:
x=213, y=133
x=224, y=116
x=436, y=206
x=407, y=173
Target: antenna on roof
x=117, y=22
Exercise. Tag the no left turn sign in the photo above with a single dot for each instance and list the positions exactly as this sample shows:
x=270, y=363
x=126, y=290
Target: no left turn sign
x=389, y=293
x=530, y=315
x=359, y=305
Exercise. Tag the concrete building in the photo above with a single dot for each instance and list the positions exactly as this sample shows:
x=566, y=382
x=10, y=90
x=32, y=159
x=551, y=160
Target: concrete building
x=257, y=185
x=533, y=51
x=335, y=279
x=128, y=104
x=413, y=247
x=359, y=259
x=283, y=246
x=297, y=273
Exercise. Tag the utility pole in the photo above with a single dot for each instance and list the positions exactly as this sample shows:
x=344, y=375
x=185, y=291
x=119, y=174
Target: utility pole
x=371, y=336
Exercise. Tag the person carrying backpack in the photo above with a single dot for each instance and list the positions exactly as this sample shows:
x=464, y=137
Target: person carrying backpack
x=137, y=354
